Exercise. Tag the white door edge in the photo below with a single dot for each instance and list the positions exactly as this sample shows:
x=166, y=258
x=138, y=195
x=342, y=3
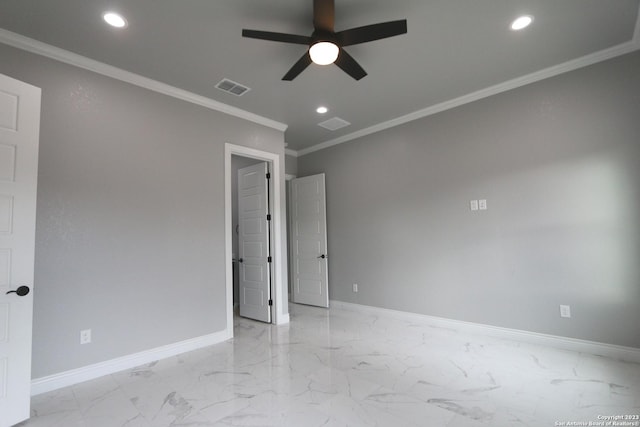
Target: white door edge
x=19, y=144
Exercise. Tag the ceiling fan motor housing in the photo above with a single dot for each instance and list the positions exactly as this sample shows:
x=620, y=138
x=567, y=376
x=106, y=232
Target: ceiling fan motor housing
x=319, y=36
x=331, y=50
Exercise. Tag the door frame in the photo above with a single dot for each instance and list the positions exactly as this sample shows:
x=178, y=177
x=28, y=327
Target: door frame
x=287, y=188
x=279, y=288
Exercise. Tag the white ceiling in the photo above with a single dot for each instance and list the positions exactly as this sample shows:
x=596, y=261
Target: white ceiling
x=453, y=48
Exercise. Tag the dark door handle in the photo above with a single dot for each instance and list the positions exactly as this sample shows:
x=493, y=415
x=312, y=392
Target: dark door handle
x=21, y=291
x=323, y=256
x=240, y=260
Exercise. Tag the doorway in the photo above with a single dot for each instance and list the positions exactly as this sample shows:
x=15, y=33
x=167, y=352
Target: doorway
x=279, y=309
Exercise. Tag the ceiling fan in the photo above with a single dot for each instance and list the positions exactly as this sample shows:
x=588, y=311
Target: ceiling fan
x=325, y=45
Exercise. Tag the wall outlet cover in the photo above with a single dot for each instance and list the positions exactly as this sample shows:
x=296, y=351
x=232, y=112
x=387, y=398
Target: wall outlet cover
x=85, y=336
x=565, y=311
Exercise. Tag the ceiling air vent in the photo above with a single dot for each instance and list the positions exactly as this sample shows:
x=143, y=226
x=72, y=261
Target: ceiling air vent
x=232, y=87
x=334, y=123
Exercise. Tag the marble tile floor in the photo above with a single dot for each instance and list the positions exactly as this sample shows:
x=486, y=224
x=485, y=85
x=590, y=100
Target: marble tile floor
x=337, y=368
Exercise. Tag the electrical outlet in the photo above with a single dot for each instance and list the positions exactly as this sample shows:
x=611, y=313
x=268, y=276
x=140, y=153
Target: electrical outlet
x=355, y=287
x=85, y=336
x=565, y=311
x=473, y=205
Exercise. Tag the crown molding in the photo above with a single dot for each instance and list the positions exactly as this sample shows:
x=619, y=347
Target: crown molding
x=546, y=73
x=290, y=152
x=52, y=52
x=43, y=49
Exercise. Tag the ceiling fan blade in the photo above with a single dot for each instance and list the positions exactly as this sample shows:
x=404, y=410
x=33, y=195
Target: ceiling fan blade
x=373, y=32
x=276, y=37
x=349, y=65
x=298, y=67
x=324, y=15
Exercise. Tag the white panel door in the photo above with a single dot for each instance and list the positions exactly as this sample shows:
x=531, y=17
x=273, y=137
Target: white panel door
x=19, y=133
x=254, y=274
x=309, y=241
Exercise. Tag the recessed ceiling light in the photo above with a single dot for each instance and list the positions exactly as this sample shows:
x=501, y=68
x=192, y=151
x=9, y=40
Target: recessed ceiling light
x=322, y=110
x=521, y=22
x=114, y=19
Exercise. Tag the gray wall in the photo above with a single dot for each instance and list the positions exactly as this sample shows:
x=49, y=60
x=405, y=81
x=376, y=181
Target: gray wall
x=130, y=221
x=291, y=166
x=558, y=162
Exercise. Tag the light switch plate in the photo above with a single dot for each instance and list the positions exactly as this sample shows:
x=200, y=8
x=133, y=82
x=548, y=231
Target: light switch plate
x=482, y=204
x=473, y=204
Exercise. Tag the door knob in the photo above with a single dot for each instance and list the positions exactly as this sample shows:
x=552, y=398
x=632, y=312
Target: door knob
x=323, y=256
x=21, y=291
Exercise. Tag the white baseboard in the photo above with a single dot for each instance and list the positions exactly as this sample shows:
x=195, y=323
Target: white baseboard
x=86, y=373
x=628, y=354
x=283, y=319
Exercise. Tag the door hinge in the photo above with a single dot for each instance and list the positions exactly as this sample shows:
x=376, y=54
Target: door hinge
x=268, y=217
x=270, y=302
x=268, y=175
x=268, y=259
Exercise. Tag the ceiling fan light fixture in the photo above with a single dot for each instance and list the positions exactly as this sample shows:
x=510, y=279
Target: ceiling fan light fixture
x=324, y=53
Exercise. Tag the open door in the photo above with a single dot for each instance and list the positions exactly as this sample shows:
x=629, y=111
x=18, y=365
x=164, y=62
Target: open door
x=19, y=133
x=254, y=251
x=308, y=241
